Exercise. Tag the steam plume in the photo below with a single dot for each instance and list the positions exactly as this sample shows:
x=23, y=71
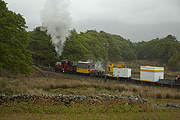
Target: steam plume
x=56, y=19
x=99, y=66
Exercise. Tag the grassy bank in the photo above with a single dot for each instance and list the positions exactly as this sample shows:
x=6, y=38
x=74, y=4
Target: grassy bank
x=105, y=111
x=91, y=110
x=57, y=83
x=90, y=116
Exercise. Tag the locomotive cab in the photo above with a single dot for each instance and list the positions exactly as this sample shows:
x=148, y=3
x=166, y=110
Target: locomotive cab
x=65, y=66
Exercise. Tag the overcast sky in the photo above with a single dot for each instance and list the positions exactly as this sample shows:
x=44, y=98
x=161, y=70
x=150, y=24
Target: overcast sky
x=136, y=20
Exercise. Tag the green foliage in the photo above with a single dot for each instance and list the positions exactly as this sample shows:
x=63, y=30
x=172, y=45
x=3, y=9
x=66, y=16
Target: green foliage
x=43, y=52
x=14, y=40
x=104, y=46
x=82, y=108
x=174, y=61
x=95, y=46
x=166, y=50
x=101, y=46
x=74, y=49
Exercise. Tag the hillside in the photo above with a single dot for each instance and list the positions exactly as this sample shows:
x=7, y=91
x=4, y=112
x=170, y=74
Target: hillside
x=31, y=89
x=106, y=47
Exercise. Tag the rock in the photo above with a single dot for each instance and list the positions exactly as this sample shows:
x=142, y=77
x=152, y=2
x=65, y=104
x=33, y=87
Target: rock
x=173, y=105
x=66, y=99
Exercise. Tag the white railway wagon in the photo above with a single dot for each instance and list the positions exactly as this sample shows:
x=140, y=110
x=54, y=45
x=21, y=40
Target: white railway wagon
x=151, y=73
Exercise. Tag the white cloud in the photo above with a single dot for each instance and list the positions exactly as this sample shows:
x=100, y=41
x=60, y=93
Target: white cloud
x=130, y=11
x=113, y=15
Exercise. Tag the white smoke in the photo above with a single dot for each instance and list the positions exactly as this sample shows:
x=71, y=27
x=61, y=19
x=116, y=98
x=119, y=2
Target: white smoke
x=99, y=66
x=56, y=19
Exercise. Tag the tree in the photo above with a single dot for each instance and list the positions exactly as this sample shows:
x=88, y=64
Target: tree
x=74, y=49
x=173, y=62
x=158, y=49
x=14, y=39
x=97, y=46
x=43, y=52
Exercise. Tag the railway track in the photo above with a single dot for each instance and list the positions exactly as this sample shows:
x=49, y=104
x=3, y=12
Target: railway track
x=133, y=81
x=136, y=81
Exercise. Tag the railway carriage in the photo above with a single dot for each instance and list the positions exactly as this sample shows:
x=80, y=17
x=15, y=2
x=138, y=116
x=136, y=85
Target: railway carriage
x=119, y=71
x=151, y=74
x=85, y=67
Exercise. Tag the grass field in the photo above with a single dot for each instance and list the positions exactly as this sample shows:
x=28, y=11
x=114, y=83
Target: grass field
x=113, y=110
x=90, y=116
x=57, y=83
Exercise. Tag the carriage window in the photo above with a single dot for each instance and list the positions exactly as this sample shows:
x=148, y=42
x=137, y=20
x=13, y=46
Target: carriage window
x=86, y=65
